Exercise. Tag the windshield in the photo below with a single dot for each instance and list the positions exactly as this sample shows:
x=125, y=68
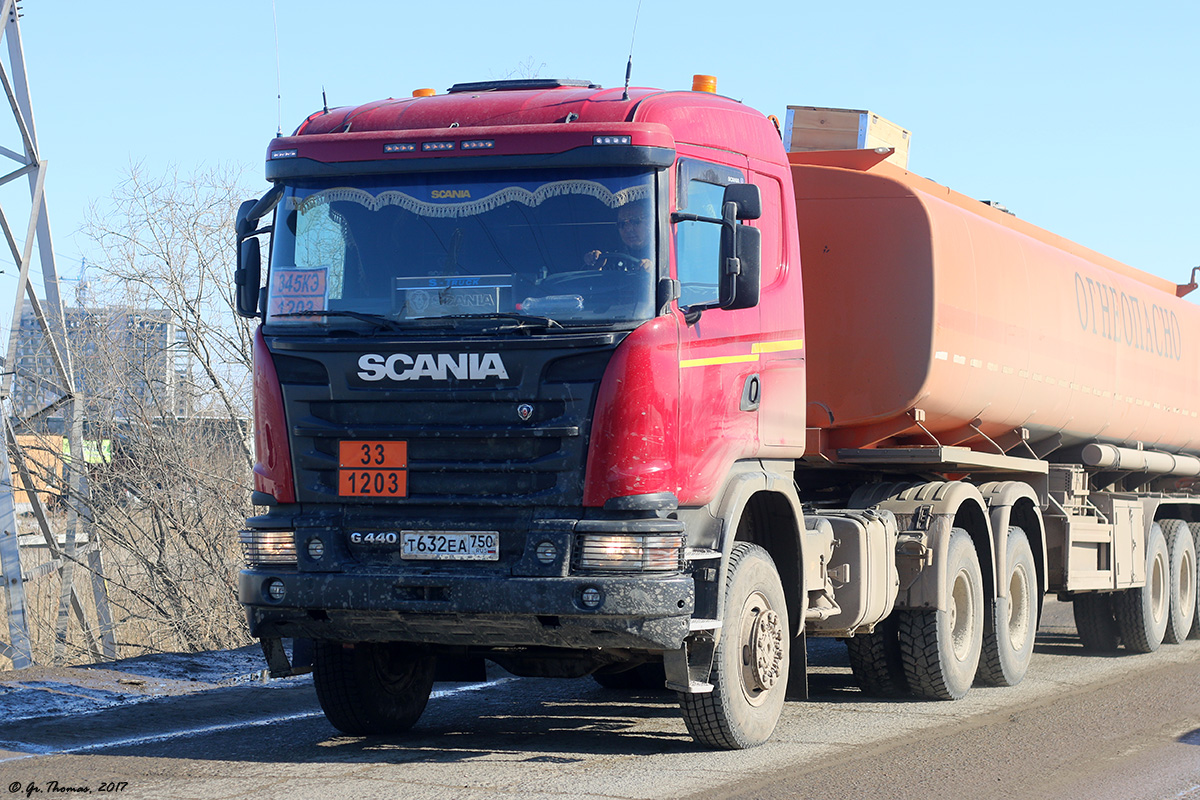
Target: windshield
x=565, y=247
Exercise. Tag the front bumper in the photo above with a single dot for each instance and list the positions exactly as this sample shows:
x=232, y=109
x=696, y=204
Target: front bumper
x=639, y=611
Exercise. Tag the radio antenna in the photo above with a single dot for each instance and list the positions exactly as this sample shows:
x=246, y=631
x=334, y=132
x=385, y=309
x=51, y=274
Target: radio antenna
x=278, y=82
x=632, y=39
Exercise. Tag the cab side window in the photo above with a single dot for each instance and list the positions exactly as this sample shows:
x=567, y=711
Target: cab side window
x=697, y=243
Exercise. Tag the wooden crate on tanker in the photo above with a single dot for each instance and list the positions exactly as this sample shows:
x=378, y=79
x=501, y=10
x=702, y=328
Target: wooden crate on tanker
x=813, y=128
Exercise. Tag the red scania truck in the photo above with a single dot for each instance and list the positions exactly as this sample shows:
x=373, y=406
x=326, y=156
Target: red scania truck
x=601, y=381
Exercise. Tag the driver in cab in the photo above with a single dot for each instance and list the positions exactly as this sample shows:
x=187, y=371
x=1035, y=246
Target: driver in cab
x=633, y=225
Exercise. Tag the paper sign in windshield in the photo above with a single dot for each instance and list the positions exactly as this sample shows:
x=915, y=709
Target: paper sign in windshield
x=294, y=291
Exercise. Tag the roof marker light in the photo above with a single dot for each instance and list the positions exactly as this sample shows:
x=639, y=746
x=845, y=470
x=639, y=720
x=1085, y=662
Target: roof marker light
x=427, y=146
x=283, y=154
x=612, y=140
x=400, y=147
x=479, y=144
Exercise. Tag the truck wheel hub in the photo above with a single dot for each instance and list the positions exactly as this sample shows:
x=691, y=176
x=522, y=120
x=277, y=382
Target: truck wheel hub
x=765, y=656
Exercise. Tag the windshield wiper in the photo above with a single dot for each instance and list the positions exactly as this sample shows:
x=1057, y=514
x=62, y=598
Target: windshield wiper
x=378, y=320
x=389, y=323
x=523, y=320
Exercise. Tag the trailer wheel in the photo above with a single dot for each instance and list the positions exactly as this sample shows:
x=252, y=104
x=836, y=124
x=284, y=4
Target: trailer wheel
x=941, y=648
x=1095, y=622
x=1010, y=628
x=372, y=688
x=1143, y=613
x=1194, y=528
x=750, y=665
x=876, y=661
x=1181, y=555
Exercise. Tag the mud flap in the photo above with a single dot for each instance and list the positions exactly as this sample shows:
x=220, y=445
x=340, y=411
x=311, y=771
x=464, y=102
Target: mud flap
x=797, y=685
x=277, y=658
x=687, y=668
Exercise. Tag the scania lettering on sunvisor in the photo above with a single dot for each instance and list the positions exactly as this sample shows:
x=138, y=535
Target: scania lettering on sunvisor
x=437, y=367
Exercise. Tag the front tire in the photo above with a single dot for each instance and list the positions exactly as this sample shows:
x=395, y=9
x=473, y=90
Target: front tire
x=372, y=687
x=941, y=648
x=750, y=665
x=1010, y=628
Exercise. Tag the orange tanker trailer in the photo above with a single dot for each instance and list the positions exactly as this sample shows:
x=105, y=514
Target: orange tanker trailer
x=1010, y=397
x=983, y=322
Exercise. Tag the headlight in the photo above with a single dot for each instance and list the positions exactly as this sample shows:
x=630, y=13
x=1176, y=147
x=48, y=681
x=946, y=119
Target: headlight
x=268, y=548
x=614, y=553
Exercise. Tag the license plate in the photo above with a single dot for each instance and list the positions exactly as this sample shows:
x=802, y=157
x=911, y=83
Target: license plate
x=372, y=469
x=450, y=546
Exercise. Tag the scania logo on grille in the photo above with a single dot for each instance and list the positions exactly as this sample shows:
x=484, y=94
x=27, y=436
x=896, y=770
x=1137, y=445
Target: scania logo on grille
x=437, y=367
x=525, y=411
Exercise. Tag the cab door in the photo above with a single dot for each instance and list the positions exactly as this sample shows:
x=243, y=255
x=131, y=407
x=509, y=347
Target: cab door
x=718, y=365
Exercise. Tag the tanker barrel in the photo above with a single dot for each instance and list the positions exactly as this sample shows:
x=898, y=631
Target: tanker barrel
x=1107, y=456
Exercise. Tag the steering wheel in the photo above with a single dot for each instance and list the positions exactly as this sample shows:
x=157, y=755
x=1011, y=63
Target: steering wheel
x=614, y=260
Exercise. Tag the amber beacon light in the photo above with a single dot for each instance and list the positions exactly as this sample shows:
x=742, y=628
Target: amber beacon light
x=704, y=83
x=424, y=92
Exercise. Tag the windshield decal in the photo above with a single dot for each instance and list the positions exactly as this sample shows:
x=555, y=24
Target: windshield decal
x=509, y=194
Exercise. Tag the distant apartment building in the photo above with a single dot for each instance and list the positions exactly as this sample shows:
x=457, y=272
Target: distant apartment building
x=126, y=363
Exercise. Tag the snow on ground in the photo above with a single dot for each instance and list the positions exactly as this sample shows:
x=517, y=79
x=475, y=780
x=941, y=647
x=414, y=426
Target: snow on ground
x=41, y=691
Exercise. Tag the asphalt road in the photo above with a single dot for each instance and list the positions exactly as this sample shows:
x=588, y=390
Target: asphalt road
x=1102, y=728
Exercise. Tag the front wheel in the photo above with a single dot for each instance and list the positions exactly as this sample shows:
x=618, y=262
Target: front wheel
x=750, y=666
x=372, y=687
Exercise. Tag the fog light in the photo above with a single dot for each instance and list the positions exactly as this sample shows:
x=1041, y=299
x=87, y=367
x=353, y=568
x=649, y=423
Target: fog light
x=276, y=590
x=546, y=552
x=316, y=549
x=591, y=597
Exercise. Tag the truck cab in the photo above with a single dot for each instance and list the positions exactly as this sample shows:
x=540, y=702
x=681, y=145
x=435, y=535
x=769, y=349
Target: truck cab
x=509, y=391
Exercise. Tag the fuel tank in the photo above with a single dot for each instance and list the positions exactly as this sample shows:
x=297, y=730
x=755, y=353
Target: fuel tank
x=917, y=297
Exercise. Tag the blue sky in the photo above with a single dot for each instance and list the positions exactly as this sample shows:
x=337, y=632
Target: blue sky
x=1080, y=117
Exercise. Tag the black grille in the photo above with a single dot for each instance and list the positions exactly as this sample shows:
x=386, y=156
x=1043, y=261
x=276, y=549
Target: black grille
x=520, y=443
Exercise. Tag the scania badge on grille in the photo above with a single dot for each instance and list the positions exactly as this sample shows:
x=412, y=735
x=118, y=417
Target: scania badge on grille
x=525, y=411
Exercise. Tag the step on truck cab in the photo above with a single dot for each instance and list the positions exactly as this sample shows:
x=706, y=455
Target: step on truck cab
x=533, y=382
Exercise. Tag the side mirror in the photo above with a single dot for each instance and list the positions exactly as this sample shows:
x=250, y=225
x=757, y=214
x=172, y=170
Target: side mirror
x=243, y=223
x=741, y=260
x=748, y=198
x=247, y=277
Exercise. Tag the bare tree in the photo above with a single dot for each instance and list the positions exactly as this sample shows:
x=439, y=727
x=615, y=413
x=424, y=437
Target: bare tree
x=162, y=365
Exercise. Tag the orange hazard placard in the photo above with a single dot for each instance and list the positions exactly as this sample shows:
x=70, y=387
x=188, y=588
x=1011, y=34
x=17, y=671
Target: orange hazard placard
x=294, y=291
x=372, y=469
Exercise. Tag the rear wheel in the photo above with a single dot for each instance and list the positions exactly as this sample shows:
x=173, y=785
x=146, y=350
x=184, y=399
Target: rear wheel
x=1009, y=629
x=1095, y=622
x=750, y=666
x=1143, y=613
x=876, y=661
x=1181, y=556
x=1194, y=527
x=372, y=687
x=941, y=648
